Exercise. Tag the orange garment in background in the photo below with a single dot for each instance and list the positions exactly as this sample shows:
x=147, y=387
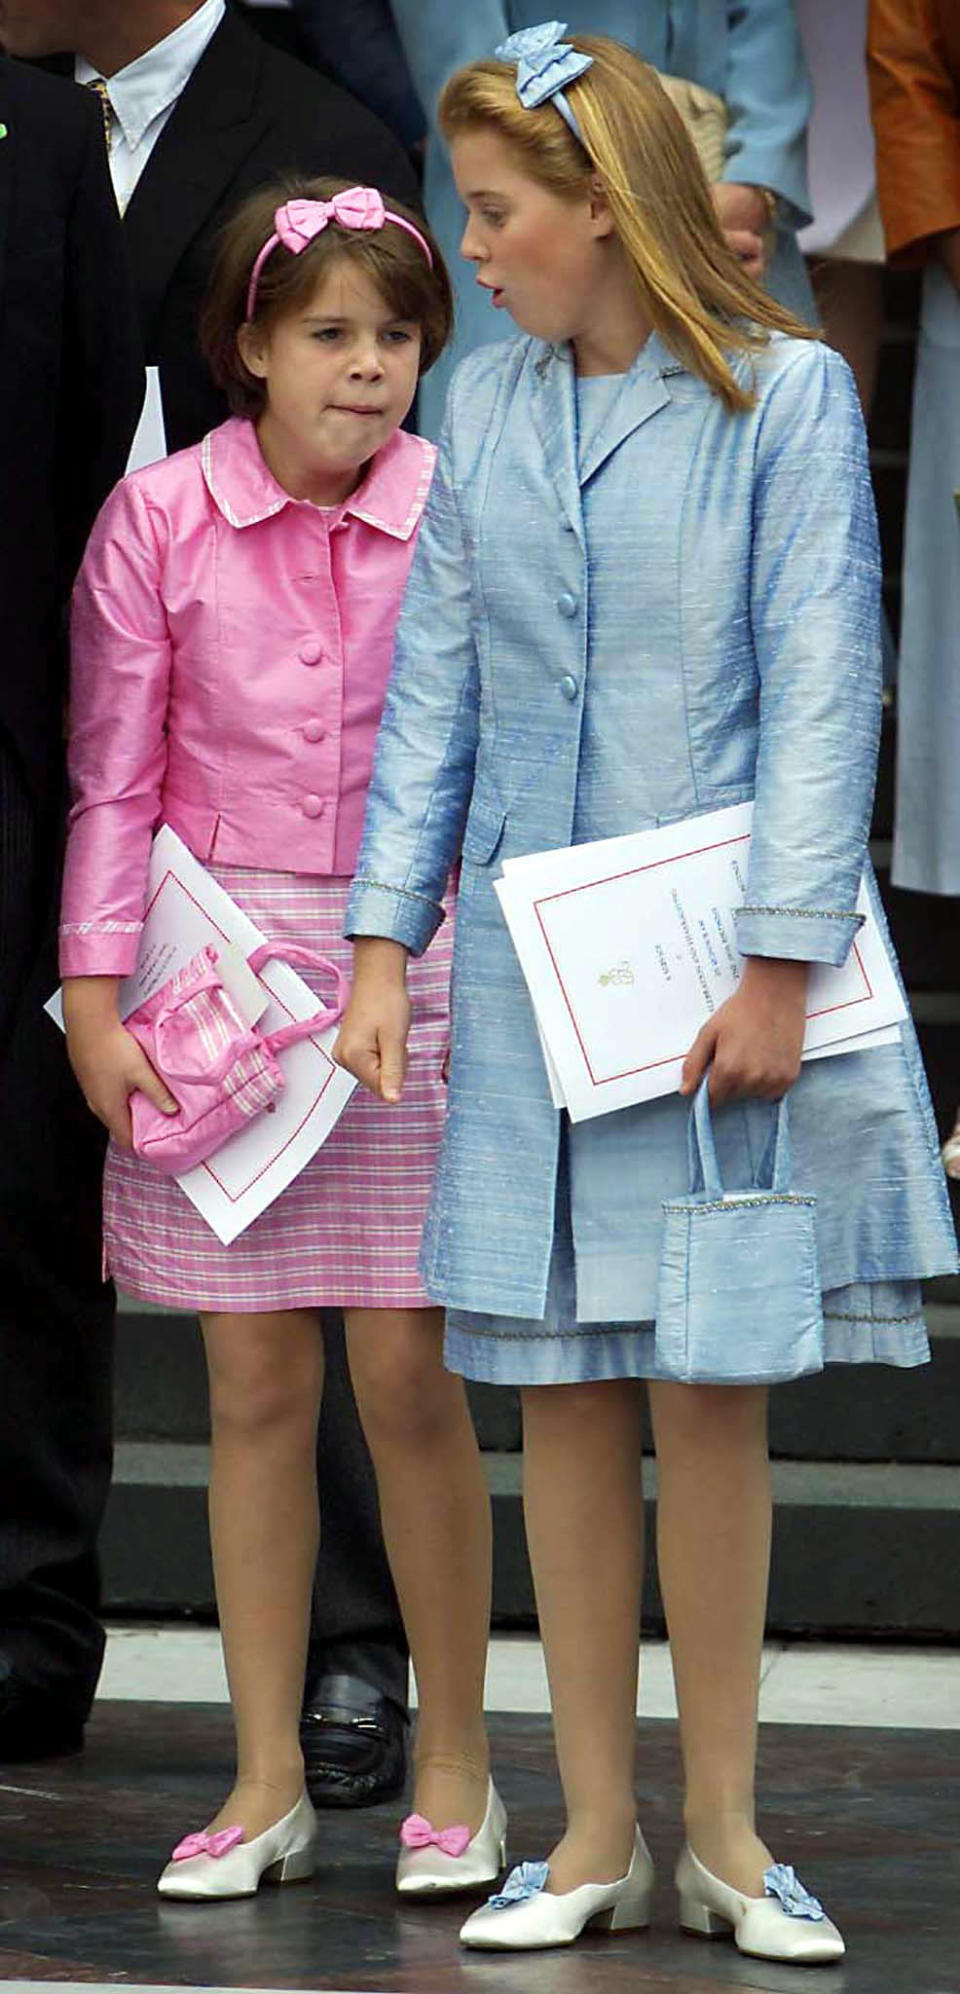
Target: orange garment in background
x=913, y=53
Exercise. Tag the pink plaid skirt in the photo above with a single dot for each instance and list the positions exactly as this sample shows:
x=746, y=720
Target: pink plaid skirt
x=346, y=1232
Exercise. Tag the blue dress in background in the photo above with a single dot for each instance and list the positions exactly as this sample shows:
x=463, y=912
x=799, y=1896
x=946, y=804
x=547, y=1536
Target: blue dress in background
x=747, y=51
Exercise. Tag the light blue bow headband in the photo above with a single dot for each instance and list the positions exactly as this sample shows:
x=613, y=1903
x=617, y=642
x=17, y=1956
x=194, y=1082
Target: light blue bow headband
x=544, y=64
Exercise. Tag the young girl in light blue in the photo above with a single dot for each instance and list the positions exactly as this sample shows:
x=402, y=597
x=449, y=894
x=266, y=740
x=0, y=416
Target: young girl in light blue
x=647, y=586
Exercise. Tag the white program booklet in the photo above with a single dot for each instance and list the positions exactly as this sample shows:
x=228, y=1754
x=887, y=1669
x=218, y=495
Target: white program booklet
x=185, y=910
x=628, y=947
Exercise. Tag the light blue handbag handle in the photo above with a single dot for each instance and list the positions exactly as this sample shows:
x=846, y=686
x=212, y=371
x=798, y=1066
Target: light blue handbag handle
x=774, y=1173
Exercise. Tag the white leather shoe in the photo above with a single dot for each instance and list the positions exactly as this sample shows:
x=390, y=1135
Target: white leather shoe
x=436, y=1863
x=525, y=1914
x=787, y=1923
x=221, y=1866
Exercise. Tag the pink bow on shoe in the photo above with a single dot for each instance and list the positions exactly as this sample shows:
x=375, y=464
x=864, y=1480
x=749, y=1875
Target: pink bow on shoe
x=207, y=1845
x=416, y=1833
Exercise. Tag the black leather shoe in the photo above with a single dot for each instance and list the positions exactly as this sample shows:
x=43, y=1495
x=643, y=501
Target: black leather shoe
x=32, y=1724
x=354, y=1743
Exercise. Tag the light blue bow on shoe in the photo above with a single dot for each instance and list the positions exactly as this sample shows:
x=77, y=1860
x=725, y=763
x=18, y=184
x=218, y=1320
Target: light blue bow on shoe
x=528, y=1879
x=545, y=63
x=783, y=1883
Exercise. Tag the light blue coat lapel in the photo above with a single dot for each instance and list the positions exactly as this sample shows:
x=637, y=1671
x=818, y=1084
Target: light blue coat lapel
x=643, y=393
x=554, y=409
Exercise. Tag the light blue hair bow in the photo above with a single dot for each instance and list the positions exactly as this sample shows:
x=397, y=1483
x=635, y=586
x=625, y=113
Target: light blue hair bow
x=545, y=63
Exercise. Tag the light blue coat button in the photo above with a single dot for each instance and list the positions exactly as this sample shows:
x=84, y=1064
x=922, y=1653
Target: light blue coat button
x=569, y=687
x=567, y=603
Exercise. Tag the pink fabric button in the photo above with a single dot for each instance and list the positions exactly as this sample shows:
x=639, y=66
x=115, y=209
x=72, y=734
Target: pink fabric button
x=313, y=806
x=311, y=654
x=315, y=731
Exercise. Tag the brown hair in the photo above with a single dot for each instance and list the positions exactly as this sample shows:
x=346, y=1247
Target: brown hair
x=694, y=291
x=389, y=257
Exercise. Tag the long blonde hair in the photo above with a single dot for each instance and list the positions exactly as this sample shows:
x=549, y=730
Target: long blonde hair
x=694, y=291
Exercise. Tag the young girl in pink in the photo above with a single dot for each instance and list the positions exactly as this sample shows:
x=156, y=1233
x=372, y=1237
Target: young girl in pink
x=233, y=631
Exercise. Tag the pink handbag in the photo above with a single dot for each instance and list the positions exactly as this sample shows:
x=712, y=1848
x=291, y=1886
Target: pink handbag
x=220, y=1069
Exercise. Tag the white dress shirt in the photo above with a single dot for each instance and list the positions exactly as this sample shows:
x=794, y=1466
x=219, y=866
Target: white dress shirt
x=144, y=94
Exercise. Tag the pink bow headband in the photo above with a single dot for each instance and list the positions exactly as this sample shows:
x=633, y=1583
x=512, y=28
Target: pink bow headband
x=297, y=222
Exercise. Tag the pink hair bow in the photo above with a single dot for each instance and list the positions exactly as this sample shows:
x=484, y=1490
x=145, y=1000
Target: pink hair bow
x=298, y=222
x=417, y=1833
x=207, y=1845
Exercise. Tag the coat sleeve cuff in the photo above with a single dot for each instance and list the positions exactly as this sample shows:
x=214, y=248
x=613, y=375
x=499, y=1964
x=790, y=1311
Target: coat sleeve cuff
x=798, y=934
x=98, y=951
x=754, y=166
x=392, y=912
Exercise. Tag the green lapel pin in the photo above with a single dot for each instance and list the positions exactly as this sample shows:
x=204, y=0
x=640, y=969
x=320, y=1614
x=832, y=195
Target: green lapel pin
x=4, y=132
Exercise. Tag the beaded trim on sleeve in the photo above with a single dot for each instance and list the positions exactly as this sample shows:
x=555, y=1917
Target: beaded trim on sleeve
x=407, y=893
x=806, y=913
x=740, y=1204
x=838, y=1315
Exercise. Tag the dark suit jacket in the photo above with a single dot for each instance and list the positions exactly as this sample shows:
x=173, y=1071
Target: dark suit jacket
x=71, y=383
x=248, y=115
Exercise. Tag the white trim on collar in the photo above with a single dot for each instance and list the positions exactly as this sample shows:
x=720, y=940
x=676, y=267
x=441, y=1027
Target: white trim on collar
x=401, y=529
x=272, y=498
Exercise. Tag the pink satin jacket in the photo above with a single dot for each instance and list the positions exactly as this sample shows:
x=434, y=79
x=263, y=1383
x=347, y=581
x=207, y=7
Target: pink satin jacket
x=231, y=649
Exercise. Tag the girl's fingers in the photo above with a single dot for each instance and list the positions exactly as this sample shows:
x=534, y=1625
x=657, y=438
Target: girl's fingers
x=145, y=1078
x=372, y=1045
x=393, y=1067
x=698, y=1058
x=724, y=1086
x=361, y=1057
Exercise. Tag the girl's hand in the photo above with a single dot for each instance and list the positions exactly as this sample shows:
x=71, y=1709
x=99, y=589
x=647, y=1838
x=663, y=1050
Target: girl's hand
x=748, y=249
x=755, y=1040
x=372, y=1044
x=744, y=216
x=105, y=1057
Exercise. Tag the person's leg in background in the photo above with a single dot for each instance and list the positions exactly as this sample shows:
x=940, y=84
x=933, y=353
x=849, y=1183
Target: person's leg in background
x=354, y=1726
x=56, y=1330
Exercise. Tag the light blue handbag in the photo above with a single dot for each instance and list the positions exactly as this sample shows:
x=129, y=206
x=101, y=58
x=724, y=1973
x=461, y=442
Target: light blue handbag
x=739, y=1300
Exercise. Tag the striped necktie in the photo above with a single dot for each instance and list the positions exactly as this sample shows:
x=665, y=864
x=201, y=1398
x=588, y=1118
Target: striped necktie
x=98, y=86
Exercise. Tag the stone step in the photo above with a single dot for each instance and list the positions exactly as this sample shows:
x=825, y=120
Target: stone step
x=858, y=1549
x=850, y=1413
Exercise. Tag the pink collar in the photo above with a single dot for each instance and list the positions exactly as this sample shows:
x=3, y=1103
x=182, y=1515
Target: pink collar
x=391, y=497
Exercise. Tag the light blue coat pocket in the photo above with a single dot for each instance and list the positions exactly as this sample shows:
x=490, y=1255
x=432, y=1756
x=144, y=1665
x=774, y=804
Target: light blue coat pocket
x=484, y=827
x=739, y=1292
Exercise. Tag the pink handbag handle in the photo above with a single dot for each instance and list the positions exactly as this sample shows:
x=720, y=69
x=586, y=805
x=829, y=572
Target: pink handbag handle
x=209, y=980
x=286, y=1035
x=300, y=958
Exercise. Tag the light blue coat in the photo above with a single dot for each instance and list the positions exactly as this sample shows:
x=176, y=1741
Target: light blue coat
x=687, y=619
x=747, y=51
